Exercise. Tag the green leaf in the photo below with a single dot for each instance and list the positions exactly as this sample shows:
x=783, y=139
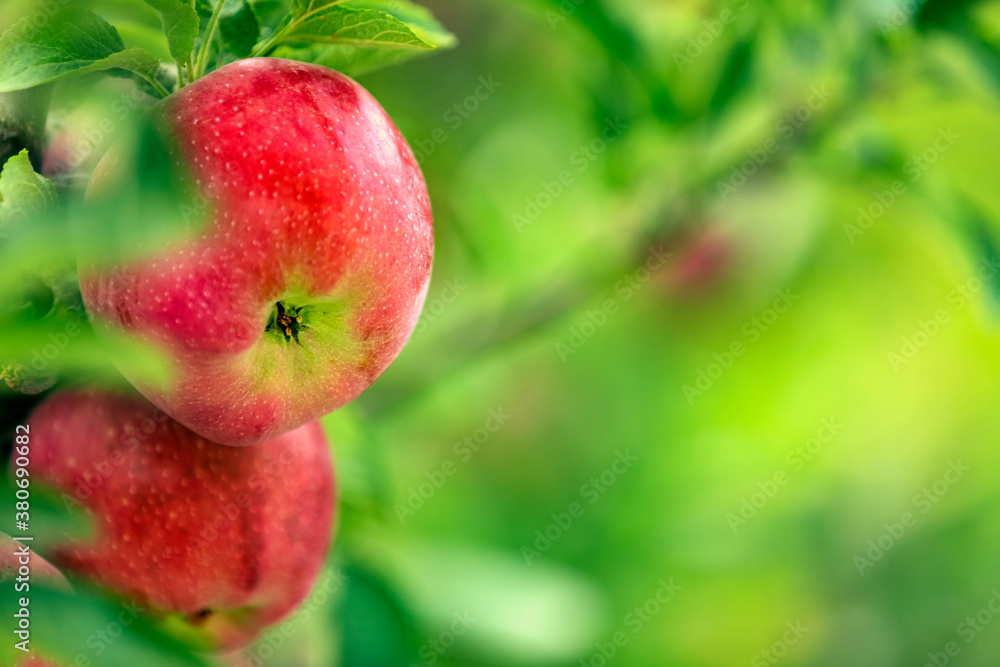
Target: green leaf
x=239, y=27
x=361, y=36
x=302, y=7
x=22, y=191
x=351, y=60
x=419, y=19
x=180, y=23
x=378, y=628
x=938, y=13
x=346, y=25
x=735, y=77
x=269, y=12
x=56, y=517
x=70, y=43
x=64, y=626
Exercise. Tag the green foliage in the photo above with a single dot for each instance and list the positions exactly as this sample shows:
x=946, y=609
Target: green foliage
x=379, y=631
x=41, y=310
x=180, y=23
x=114, y=632
x=71, y=43
x=892, y=82
x=937, y=13
x=54, y=516
x=359, y=37
x=75, y=41
x=23, y=193
x=239, y=28
x=418, y=19
x=348, y=25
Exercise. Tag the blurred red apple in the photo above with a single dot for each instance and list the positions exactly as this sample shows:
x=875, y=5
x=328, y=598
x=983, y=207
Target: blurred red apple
x=33, y=662
x=224, y=540
x=12, y=558
x=701, y=258
x=312, y=268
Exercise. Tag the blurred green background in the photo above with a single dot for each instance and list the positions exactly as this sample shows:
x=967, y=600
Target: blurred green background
x=707, y=374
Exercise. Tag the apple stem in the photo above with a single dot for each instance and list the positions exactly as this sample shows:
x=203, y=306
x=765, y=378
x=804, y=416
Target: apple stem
x=288, y=321
x=206, y=46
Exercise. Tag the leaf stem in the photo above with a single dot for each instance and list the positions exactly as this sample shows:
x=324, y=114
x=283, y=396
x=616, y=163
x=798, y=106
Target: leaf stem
x=191, y=68
x=206, y=46
x=264, y=47
x=157, y=86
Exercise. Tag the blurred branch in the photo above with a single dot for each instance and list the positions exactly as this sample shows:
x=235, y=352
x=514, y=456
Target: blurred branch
x=520, y=319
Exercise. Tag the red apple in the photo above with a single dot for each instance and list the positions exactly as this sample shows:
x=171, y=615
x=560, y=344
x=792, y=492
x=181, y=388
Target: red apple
x=12, y=558
x=33, y=661
x=312, y=268
x=224, y=540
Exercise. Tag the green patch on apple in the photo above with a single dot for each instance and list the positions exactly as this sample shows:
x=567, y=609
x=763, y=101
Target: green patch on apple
x=299, y=350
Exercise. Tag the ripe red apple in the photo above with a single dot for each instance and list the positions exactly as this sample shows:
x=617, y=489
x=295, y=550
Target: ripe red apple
x=224, y=540
x=33, y=661
x=312, y=268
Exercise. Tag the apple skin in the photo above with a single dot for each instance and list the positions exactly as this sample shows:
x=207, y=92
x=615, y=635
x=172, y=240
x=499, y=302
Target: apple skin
x=34, y=662
x=41, y=569
x=313, y=200
x=214, y=542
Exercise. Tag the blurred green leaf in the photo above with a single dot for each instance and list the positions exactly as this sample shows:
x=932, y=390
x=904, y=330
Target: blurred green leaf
x=144, y=36
x=55, y=517
x=492, y=591
x=269, y=12
x=985, y=53
x=378, y=629
x=180, y=22
x=363, y=486
x=63, y=342
x=938, y=13
x=22, y=192
x=71, y=43
x=735, y=77
x=105, y=631
x=140, y=179
x=239, y=27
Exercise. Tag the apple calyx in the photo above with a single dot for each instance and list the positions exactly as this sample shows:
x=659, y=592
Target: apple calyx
x=287, y=321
